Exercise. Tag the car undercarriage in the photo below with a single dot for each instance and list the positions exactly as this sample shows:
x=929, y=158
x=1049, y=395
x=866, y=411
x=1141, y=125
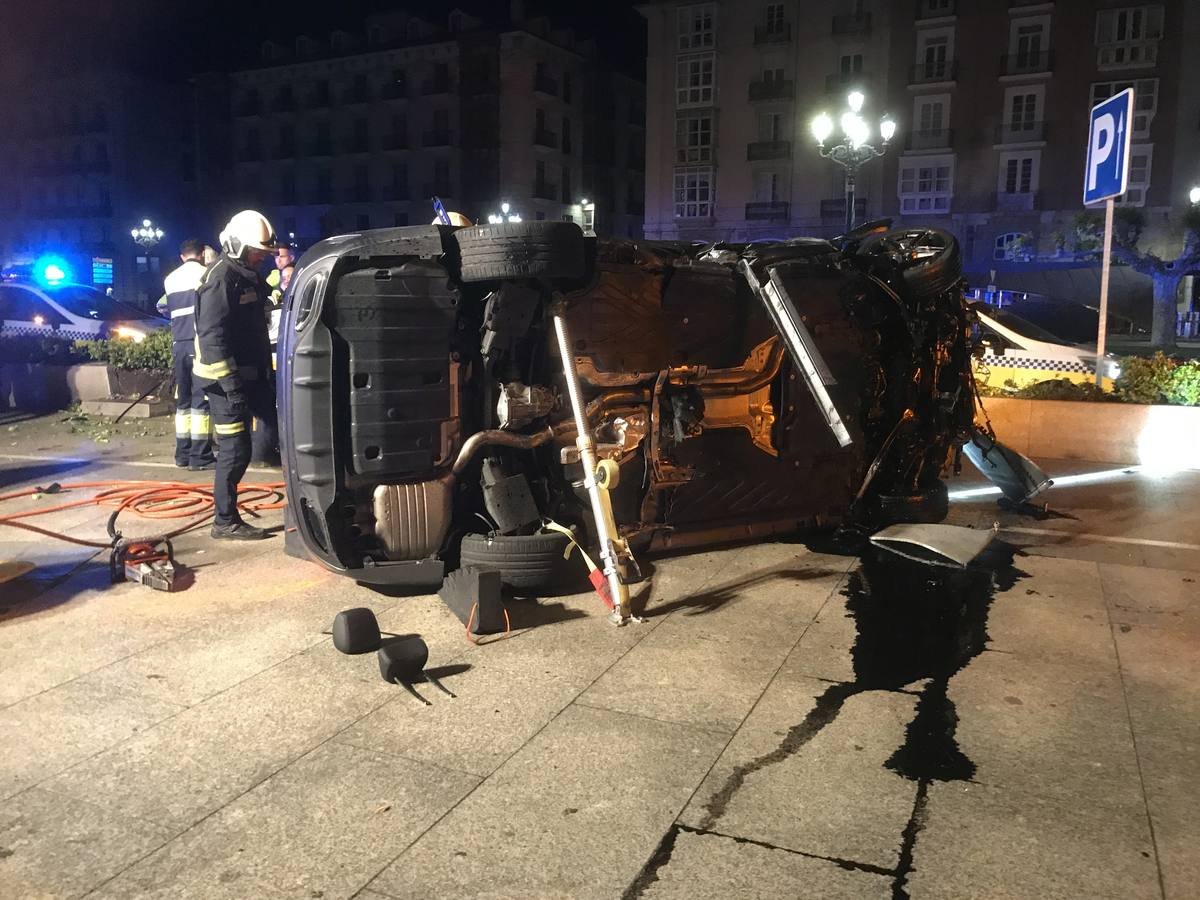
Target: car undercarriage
x=487, y=396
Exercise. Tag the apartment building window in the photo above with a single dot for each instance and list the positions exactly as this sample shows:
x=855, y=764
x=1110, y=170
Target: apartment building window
x=775, y=22
x=324, y=186
x=771, y=127
x=694, y=139
x=934, y=55
x=363, y=221
x=1128, y=36
x=400, y=219
x=566, y=87
x=1028, y=40
x=694, y=193
x=768, y=187
x=849, y=65
x=926, y=184
x=1022, y=110
x=362, y=188
x=931, y=8
x=1019, y=172
x=1011, y=246
x=931, y=113
x=697, y=27
x=1145, y=101
x=566, y=135
x=695, y=80
x=1140, y=160
x=566, y=184
x=441, y=177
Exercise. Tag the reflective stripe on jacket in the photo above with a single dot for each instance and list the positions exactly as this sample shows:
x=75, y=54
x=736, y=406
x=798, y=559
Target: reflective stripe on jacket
x=181, y=286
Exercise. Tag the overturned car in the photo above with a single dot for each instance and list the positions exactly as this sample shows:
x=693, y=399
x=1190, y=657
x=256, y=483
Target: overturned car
x=485, y=395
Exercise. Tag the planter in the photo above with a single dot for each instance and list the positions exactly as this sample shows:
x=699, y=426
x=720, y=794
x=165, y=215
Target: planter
x=1118, y=433
x=142, y=409
x=43, y=387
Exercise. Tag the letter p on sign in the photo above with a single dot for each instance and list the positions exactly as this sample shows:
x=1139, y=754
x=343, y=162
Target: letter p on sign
x=1109, y=131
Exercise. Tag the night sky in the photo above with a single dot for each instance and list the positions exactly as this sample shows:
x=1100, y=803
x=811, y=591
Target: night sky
x=175, y=38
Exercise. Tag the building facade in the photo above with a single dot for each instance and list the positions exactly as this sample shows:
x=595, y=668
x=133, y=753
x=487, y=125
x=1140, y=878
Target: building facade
x=990, y=96
x=364, y=130
x=79, y=168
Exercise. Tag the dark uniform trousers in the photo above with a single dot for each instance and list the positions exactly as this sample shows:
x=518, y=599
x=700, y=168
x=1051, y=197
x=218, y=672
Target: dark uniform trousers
x=234, y=442
x=193, y=439
x=264, y=438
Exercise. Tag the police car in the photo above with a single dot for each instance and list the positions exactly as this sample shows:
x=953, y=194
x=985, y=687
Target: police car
x=1016, y=351
x=72, y=311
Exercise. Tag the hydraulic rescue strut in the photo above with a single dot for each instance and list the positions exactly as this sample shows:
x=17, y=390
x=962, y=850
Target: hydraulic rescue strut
x=597, y=479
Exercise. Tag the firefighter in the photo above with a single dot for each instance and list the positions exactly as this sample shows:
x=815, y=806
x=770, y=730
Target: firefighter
x=193, y=439
x=233, y=358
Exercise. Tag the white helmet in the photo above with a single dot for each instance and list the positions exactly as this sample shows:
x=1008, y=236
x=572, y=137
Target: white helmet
x=247, y=229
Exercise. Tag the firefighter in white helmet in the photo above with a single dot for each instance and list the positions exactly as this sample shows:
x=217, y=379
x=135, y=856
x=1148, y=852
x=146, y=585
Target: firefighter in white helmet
x=233, y=358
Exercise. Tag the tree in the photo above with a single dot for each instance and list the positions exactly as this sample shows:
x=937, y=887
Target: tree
x=1165, y=275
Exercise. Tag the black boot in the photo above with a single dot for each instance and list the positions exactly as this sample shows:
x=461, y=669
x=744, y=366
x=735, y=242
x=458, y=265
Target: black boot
x=238, y=531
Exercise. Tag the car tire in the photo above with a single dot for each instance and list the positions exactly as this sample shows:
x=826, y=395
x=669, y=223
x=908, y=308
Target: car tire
x=935, y=275
x=521, y=250
x=525, y=561
x=928, y=507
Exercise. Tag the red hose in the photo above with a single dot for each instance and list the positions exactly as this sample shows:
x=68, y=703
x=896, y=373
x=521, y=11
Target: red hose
x=147, y=499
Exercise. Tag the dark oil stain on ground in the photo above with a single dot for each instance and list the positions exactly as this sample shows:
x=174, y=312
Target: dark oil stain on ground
x=914, y=623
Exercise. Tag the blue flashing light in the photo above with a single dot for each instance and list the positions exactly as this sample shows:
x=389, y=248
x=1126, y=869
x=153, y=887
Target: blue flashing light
x=51, y=270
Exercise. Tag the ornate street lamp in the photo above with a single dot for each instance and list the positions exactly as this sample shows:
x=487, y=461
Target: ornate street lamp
x=506, y=215
x=855, y=148
x=147, y=236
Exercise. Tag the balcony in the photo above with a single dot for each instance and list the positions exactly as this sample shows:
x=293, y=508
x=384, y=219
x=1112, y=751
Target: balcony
x=356, y=95
x=773, y=34
x=544, y=138
x=358, y=145
x=773, y=210
x=432, y=86
x=322, y=148
x=1020, y=132
x=930, y=139
x=319, y=100
x=284, y=151
x=1026, y=201
x=394, y=91
x=1015, y=4
x=442, y=189
x=933, y=72
x=936, y=9
x=250, y=155
x=398, y=192
x=544, y=84
x=395, y=142
x=852, y=23
x=760, y=150
x=839, y=82
x=836, y=208
x=437, y=138
x=248, y=108
x=1026, y=63
x=775, y=89
x=544, y=190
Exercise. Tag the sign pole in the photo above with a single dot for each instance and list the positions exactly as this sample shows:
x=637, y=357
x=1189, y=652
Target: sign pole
x=1104, y=269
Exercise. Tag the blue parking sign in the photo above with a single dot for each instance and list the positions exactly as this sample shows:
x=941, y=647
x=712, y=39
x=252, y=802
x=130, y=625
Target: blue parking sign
x=1109, y=131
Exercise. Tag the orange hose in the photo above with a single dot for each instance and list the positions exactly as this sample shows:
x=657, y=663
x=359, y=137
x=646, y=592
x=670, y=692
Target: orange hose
x=149, y=500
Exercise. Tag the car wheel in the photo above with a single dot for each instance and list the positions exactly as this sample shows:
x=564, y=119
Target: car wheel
x=929, y=506
x=521, y=250
x=529, y=561
x=928, y=258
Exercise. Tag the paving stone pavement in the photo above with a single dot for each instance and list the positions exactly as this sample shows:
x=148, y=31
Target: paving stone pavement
x=786, y=723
